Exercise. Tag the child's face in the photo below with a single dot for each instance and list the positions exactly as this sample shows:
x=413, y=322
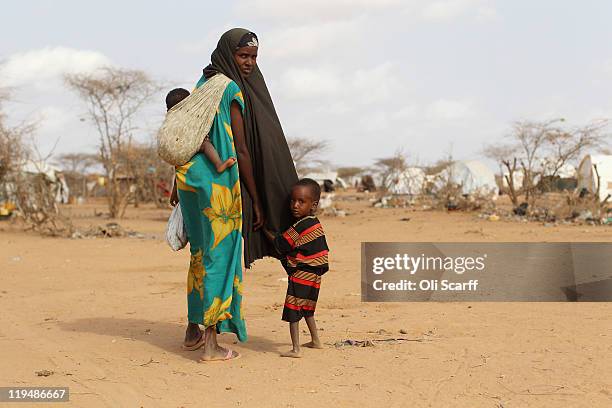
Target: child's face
x=302, y=202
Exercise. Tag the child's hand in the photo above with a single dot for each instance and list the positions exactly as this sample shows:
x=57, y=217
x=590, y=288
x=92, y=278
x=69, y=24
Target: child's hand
x=269, y=234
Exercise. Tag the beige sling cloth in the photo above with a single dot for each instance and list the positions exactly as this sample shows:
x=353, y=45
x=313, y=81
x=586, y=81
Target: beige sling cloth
x=189, y=121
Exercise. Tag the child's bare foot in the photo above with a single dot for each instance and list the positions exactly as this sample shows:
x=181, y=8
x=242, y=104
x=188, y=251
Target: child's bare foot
x=226, y=164
x=313, y=344
x=292, y=353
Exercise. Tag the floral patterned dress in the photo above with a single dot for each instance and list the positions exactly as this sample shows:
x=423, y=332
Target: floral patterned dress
x=212, y=210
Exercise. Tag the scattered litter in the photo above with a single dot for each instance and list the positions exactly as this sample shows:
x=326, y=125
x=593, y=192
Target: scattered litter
x=44, y=373
x=394, y=201
x=151, y=361
x=405, y=219
x=334, y=212
x=372, y=342
x=403, y=331
x=108, y=230
x=493, y=217
x=354, y=343
x=521, y=210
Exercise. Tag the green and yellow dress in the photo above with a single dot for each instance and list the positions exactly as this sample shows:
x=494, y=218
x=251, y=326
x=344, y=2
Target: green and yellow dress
x=212, y=211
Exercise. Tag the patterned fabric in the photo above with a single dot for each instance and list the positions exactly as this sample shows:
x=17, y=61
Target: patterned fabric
x=212, y=210
x=305, y=259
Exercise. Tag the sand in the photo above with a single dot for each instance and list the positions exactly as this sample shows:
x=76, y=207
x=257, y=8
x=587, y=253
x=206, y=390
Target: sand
x=107, y=317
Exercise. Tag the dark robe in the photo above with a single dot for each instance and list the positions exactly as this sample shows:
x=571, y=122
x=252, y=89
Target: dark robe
x=273, y=168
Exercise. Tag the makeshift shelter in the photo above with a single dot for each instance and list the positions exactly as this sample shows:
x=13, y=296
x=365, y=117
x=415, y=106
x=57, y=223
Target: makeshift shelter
x=472, y=176
x=409, y=181
x=329, y=180
x=587, y=177
x=53, y=175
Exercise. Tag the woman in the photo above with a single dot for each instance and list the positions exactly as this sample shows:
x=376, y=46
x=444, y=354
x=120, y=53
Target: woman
x=218, y=207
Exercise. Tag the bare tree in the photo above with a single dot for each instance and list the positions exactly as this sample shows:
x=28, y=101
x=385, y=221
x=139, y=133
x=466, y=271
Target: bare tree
x=387, y=165
x=150, y=176
x=75, y=167
x=13, y=151
x=30, y=190
x=76, y=162
x=501, y=154
x=114, y=96
x=539, y=150
x=306, y=152
x=347, y=172
x=564, y=146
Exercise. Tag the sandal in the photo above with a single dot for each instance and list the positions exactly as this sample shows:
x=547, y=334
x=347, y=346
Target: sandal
x=195, y=346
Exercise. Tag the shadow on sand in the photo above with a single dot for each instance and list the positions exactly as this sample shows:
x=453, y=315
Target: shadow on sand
x=165, y=335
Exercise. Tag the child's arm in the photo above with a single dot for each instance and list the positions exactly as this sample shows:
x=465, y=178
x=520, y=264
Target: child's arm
x=269, y=234
x=282, y=242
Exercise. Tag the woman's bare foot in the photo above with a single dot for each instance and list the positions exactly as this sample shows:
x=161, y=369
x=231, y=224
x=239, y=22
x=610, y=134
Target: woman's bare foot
x=193, y=334
x=292, y=353
x=226, y=164
x=313, y=344
x=219, y=353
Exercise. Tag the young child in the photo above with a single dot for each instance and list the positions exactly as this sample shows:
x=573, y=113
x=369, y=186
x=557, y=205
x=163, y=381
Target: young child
x=174, y=97
x=305, y=259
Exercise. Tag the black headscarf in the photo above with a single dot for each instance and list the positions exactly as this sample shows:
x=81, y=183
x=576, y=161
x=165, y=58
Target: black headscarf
x=273, y=167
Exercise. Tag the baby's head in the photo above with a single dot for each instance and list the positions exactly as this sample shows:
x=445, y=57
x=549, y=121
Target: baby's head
x=305, y=196
x=175, y=96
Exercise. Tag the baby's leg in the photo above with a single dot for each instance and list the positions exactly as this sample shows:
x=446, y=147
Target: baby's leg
x=211, y=154
x=315, y=342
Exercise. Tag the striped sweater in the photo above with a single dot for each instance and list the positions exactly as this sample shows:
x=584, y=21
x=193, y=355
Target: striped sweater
x=304, y=247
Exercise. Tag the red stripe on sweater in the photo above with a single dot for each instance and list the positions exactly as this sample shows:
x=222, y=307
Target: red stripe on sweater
x=294, y=307
x=288, y=238
x=310, y=229
x=305, y=282
x=313, y=256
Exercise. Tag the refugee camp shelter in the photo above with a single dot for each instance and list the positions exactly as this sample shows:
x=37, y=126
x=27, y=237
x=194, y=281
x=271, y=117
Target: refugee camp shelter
x=52, y=174
x=409, y=181
x=473, y=176
x=364, y=178
x=587, y=177
x=327, y=179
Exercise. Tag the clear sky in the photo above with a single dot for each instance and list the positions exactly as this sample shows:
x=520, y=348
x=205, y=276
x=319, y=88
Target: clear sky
x=369, y=76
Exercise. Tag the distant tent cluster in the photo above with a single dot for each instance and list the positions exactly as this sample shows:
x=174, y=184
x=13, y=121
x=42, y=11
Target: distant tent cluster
x=474, y=177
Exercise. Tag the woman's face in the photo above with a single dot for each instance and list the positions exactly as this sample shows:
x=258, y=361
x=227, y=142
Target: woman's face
x=246, y=58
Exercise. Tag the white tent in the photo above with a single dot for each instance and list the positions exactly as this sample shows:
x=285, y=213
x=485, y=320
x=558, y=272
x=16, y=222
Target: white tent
x=321, y=176
x=587, y=177
x=409, y=181
x=473, y=176
x=53, y=174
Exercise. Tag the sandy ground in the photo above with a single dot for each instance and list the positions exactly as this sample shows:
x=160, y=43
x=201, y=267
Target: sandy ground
x=107, y=316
